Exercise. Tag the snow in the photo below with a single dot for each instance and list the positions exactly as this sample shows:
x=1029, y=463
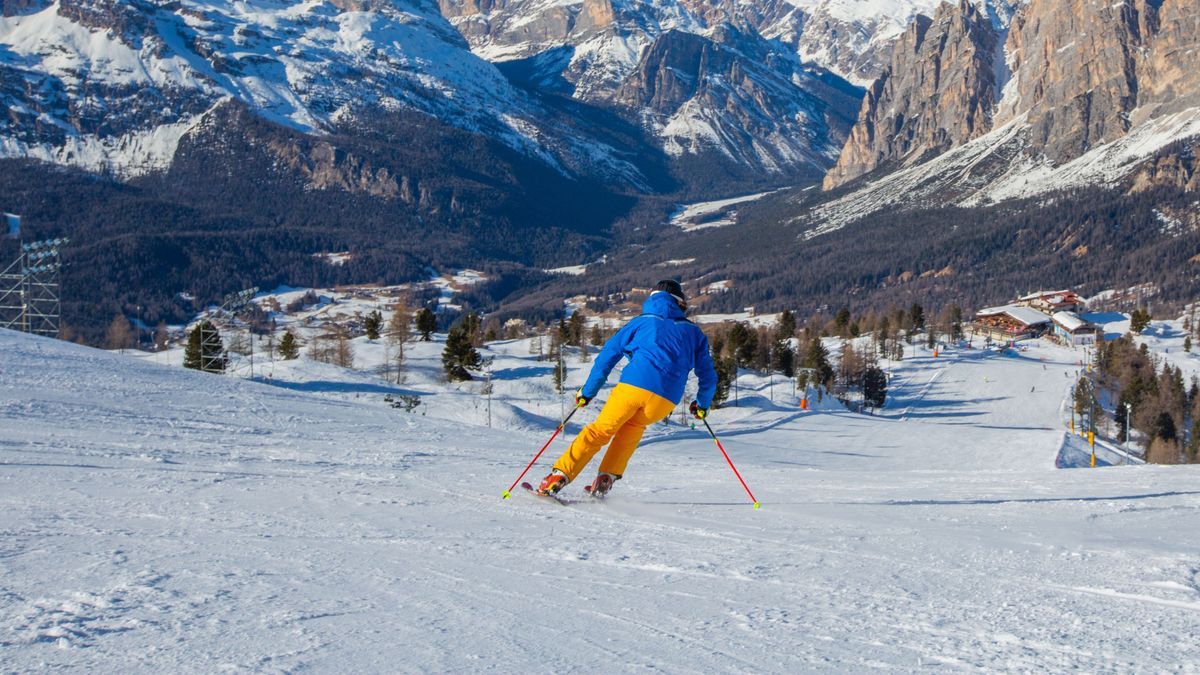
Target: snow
x=676, y=262
x=1026, y=315
x=691, y=217
x=132, y=154
x=1164, y=338
x=755, y=320
x=963, y=175
x=717, y=287
x=306, y=66
x=337, y=259
x=572, y=270
x=1069, y=320
x=184, y=521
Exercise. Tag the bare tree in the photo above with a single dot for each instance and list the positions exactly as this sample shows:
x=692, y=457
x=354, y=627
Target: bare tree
x=333, y=346
x=399, y=331
x=119, y=334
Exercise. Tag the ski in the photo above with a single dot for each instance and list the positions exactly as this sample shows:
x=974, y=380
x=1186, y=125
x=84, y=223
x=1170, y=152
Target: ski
x=534, y=491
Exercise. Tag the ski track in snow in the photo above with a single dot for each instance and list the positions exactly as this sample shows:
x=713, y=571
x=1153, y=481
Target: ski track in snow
x=154, y=519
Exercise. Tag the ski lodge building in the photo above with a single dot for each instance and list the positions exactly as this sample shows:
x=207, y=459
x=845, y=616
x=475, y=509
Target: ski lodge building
x=1011, y=322
x=1073, y=329
x=1036, y=314
x=1049, y=302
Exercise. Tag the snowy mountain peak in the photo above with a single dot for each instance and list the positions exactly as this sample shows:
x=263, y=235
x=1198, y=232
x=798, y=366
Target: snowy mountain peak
x=112, y=85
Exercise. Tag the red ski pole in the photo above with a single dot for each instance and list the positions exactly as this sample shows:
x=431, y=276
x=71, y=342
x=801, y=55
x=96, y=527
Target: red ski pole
x=730, y=461
x=508, y=493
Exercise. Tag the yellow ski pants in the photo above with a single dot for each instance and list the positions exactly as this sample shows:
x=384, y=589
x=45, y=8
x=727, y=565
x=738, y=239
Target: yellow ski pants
x=623, y=420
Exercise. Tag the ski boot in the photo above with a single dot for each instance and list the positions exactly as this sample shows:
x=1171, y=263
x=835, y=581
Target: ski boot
x=552, y=483
x=602, y=484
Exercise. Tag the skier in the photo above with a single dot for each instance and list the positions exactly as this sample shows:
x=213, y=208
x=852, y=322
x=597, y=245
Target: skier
x=662, y=347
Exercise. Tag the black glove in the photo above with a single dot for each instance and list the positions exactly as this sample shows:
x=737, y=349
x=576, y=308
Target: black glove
x=581, y=400
x=697, y=412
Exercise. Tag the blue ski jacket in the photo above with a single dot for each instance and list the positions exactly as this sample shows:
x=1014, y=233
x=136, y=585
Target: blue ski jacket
x=662, y=347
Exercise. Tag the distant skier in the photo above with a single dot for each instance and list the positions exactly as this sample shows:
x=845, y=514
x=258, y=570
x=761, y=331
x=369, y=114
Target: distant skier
x=662, y=347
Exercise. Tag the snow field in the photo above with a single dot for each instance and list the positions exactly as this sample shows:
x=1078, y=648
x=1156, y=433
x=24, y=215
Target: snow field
x=161, y=519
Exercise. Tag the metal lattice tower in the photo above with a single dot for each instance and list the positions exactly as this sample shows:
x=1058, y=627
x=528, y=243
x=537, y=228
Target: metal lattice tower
x=214, y=357
x=29, y=289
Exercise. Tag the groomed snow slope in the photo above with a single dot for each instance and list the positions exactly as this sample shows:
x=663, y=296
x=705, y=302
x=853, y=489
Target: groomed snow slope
x=155, y=519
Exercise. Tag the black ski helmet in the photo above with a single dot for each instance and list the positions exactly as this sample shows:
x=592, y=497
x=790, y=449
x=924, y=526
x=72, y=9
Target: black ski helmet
x=671, y=286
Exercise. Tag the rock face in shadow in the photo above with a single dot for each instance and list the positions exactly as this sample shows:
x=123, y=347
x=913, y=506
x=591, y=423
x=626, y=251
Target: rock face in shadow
x=739, y=96
x=19, y=7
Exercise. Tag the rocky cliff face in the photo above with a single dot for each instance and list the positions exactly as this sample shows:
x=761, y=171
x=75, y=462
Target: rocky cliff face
x=938, y=92
x=597, y=51
x=1168, y=78
x=699, y=75
x=737, y=95
x=1073, y=77
x=18, y=7
x=857, y=39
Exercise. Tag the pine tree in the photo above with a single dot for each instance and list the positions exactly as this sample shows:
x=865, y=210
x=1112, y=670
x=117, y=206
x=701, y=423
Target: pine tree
x=786, y=327
x=426, y=323
x=575, y=328
x=783, y=359
x=956, y=321
x=916, y=317
x=816, y=359
x=842, y=321
x=883, y=333
x=288, y=349
x=738, y=335
x=875, y=387
x=192, y=351
x=747, y=350
x=372, y=324
x=726, y=369
x=764, y=355
x=460, y=354
x=473, y=326
x=597, y=337
x=1139, y=320
x=559, y=371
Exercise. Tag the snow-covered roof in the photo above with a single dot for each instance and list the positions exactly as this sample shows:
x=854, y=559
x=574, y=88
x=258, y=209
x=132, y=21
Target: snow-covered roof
x=1043, y=294
x=1025, y=315
x=1070, y=321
